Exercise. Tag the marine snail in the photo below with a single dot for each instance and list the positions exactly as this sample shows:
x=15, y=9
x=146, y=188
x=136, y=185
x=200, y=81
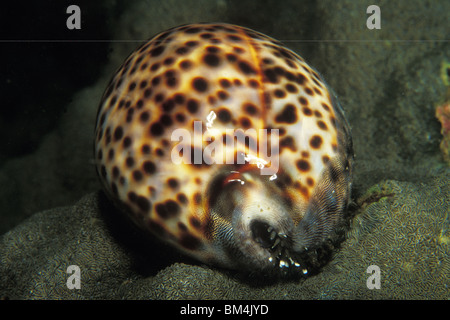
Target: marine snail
x=226, y=144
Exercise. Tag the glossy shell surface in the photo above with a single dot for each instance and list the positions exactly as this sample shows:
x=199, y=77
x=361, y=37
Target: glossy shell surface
x=226, y=144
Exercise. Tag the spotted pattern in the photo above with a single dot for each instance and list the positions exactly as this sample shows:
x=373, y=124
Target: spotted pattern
x=208, y=79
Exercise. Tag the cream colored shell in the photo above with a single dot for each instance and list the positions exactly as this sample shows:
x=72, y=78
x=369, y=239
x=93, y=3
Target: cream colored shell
x=220, y=80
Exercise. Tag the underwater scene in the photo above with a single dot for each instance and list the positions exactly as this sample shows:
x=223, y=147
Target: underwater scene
x=225, y=150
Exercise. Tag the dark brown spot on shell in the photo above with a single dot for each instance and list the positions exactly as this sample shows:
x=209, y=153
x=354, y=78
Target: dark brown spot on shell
x=322, y=125
x=250, y=109
x=234, y=38
x=115, y=172
x=149, y=167
x=168, y=105
x=192, y=106
x=132, y=86
x=333, y=121
x=326, y=107
x=212, y=49
x=179, y=98
x=156, y=80
x=197, y=198
x=180, y=117
x=168, y=61
x=168, y=209
x=224, y=115
x=185, y=64
x=315, y=142
x=157, y=51
x=200, y=84
x=103, y=171
x=118, y=133
x=182, y=198
x=190, y=241
x=288, y=142
x=143, y=203
x=159, y=152
x=206, y=35
x=270, y=76
x=211, y=60
x=231, y=57
x=334, y=147
x=166, y=120
x=288, y=115
x=144, y=116
x=182, y=226
x=171, y=78
x=246, y=68
x=157, y=228
x=303, y=101
x=307, y=111
x=146, y=149
x=156, y=129
x=139, y=104
x=300, y=79
x=291, y=88
x=192, y=44
x=279, y=93
x=111, y=154
x=222, y=95
x=303, y=165
x=182, y=50
x=303, y=190
x=132, y=196
x=245, y=122
x=253, y=83
x=224, y=83
x=137, y=175
x=309, y=91
x=212, y=100
x=195, y=222
x=155, y=66
x=173, y=183
x=129, y=162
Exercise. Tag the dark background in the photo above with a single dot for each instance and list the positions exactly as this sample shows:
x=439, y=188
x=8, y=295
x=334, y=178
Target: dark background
x=40, y=56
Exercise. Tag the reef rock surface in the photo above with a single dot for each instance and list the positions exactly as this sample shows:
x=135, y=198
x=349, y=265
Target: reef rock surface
x=401, y=227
